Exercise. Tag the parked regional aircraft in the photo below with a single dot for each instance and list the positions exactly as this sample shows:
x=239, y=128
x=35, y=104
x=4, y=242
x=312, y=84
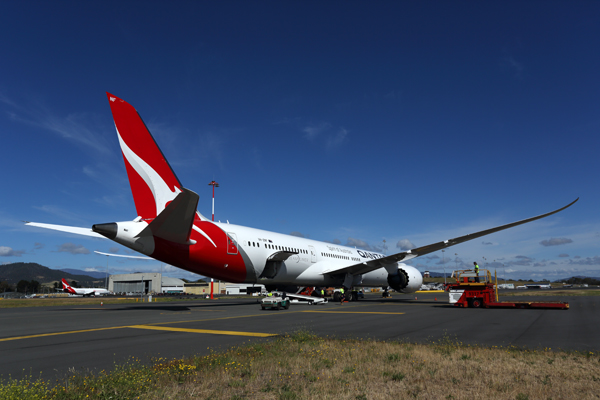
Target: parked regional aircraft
x=170, y=229
x=83, y=291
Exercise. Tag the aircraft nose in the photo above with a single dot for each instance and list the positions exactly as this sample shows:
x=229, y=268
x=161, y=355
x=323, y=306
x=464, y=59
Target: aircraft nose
x=109, y=230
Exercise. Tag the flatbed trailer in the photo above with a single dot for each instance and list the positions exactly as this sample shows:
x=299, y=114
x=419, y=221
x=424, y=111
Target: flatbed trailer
x=477, y=290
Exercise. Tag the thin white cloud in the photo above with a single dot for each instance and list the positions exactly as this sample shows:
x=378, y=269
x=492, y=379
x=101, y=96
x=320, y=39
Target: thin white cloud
x=405, y=244
x=590, y=261
x=338, y=138
x=4, y=99
x=515, y=65
x=361, y=244
x=556, y=241
x=6, y=251
x=298, y=234
x=72, y=248
x=76, y=127
x=312, y=131
x=61, y=213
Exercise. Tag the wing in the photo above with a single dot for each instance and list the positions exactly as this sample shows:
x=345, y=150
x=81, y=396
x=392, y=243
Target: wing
x=69, y=229
x=372, y=265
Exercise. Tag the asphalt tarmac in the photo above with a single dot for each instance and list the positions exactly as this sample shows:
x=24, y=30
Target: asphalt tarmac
x=52, y=342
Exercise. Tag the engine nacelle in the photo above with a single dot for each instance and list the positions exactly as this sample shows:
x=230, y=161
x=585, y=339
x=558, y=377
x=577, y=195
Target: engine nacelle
x=407, y=280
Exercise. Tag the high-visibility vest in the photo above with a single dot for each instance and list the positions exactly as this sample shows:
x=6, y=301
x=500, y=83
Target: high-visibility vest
x=270, y=294
x=342, y=290
x=476, y=268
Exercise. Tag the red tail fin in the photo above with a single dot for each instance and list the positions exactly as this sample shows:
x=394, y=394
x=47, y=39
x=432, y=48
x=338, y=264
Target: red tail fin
x=153, y=182
x=68, y=288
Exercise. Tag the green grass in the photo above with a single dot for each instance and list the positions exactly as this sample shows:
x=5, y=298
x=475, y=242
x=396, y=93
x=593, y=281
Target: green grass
x=305, y=366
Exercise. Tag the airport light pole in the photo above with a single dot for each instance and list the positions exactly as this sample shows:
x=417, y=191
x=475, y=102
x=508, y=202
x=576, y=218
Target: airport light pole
x=213, y=184
x=106, y=279
x=444, y=266
x=142, y=290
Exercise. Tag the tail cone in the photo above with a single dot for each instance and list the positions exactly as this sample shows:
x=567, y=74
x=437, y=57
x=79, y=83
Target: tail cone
x=109, y=230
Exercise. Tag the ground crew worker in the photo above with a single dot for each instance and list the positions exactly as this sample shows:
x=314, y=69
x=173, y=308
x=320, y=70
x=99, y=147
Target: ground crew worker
x=476, y=271
x=322, y=294
x=342, y=295
x=269, y=294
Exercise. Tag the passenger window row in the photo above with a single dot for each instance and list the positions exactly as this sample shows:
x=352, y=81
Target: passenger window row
x=337, y=256
x=277, y=247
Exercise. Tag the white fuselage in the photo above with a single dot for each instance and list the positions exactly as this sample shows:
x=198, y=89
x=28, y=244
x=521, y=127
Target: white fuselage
x=313, y=260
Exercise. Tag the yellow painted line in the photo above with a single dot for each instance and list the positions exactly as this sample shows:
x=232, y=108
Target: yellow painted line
x=176, y=313
x=353, y=312
x=233, y=333
x=264, y=314
x=59, y=333
x=430, y=291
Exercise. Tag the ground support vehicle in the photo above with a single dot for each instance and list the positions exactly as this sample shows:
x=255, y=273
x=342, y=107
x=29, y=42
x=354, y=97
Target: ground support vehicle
x=276, y=300
x=476, y=290
x=310, y=300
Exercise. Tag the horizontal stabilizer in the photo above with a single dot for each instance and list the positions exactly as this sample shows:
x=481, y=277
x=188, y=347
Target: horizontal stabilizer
x=175, y=222
x=69, y=229
x=123, y=256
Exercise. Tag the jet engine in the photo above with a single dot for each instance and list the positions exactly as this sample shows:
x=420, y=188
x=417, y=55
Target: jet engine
x=407, y=279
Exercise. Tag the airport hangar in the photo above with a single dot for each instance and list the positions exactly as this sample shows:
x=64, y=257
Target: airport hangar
x=153, y=282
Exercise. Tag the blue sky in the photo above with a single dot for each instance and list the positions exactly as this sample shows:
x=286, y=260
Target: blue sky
x=353, y=122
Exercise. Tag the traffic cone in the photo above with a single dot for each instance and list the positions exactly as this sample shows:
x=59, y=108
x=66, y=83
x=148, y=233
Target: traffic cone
x=101, y=303
x=415, y=297
x=435, y=299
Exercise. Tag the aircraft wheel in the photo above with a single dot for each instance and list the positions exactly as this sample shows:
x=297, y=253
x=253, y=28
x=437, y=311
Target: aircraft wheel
x=336, y=296
x=278, y=307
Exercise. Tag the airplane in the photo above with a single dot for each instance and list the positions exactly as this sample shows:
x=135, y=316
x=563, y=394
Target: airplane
x=83, y=291
x=169, y=228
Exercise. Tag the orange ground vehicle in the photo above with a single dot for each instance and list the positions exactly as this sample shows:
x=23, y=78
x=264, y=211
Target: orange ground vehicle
x=479, y=290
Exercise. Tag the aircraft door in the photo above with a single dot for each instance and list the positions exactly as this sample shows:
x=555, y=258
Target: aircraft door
x=313, y=254
x=232, y=243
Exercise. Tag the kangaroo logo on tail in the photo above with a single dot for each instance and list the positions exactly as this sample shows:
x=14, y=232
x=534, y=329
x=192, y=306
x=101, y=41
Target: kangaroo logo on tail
x=67, y=288
x=153, y=182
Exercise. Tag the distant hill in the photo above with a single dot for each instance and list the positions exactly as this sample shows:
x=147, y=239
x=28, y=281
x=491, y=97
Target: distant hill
x=93, y=274
x=13, y=273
